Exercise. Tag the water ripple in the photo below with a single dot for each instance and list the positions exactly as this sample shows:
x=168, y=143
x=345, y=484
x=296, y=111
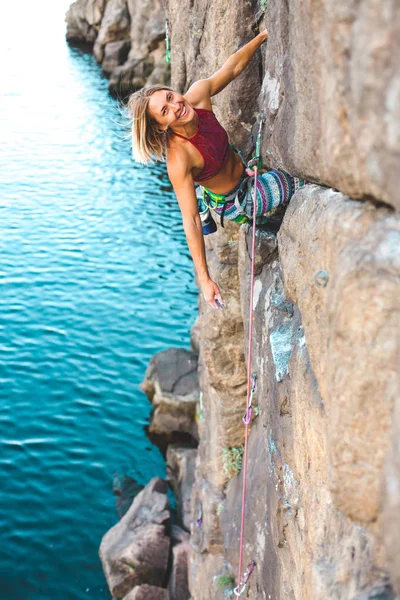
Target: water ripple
x=95, y=277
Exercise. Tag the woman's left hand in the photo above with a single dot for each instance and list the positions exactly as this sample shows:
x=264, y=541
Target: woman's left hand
x=211, y=294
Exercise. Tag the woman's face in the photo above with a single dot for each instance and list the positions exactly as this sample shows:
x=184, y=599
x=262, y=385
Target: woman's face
x=169, y=108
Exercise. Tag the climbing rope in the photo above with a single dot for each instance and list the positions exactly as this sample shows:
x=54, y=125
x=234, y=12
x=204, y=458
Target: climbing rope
x=253, y=167
x=167, y=38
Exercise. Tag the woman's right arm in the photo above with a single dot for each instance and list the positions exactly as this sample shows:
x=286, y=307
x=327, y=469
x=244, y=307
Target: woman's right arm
x=183, y=185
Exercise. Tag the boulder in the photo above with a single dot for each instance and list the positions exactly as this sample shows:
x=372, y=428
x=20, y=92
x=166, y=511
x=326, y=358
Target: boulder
x=136, y=550
x=207, y=502
x=178, y=584
x=84, y=19
x=172, y=372
x=181, y=463
x=178, y=535
x=115, y=54
x=125, y=489
x=171, y=384
x=147, y=592
x=147, y=26
x=115, y=27
x=146, y=63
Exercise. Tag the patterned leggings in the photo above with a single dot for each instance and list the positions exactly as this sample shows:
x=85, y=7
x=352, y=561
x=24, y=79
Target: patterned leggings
x=273, y=189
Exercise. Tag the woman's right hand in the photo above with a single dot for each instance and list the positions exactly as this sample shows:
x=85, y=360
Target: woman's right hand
x=211, y=294
x=263, y=36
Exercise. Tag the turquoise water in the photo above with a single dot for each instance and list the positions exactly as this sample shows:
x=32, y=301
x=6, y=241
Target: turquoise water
x=95, y=277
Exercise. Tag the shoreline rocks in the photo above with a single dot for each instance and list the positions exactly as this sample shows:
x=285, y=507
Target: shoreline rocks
x=145, y=555
x=171, y=384
x=136, y=550
x=181, y=462
x=84, y=20
x=128, y=40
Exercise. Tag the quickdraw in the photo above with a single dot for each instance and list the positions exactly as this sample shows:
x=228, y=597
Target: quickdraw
x=167, y=43
x=257, y=158
x=238, y=591
x=249, y=410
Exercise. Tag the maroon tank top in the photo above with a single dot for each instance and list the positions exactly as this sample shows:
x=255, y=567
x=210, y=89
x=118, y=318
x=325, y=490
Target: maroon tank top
x=211, y=140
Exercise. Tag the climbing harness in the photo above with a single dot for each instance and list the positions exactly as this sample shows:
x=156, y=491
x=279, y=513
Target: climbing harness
x=253, y=166
x=167, y=42
x=246, y=576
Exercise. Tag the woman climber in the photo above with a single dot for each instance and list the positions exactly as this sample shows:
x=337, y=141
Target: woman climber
x=184, y=131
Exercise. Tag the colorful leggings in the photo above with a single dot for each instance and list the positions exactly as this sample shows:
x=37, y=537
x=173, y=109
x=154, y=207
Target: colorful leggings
x=273, y=189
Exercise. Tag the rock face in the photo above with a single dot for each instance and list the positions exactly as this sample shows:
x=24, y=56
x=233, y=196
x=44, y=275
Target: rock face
x=115, y=54
x=136, y=550
x=128, y=38
x=356, y=359
x=84, y=19
x=180, y=468
x=326, y=308
x=331, y=94
x=125, y=489
x=325, y=353
x=115, y=26
x=178, y=583
x=197, y=28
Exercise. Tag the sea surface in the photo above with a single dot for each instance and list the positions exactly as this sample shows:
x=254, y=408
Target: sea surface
x=95, y=277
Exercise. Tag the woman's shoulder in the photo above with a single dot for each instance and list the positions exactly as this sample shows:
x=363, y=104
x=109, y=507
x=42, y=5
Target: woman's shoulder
x=198, y=95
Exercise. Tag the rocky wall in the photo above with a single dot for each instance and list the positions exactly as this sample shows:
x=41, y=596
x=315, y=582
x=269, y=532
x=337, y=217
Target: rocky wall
x=326, y=315
x=128, y=38
x=323, y=455
x=331, y=94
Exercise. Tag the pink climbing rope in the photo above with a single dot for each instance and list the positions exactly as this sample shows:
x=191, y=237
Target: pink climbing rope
x=250, y=390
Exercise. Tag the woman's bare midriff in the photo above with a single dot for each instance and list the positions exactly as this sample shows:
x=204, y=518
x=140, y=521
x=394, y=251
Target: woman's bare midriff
x=227, y=178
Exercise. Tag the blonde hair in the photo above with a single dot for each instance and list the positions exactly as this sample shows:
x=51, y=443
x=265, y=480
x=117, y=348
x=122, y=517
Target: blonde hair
x=149, y=143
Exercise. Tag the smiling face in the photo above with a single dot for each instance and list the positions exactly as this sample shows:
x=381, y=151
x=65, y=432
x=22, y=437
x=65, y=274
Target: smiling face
x=170, y=109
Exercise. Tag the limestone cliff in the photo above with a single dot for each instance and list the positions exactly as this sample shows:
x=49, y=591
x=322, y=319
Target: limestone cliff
x=322, y=519
x=323, y=484
x=128, y=38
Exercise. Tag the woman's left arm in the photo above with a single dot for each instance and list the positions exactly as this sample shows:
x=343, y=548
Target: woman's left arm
x=229, y=70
